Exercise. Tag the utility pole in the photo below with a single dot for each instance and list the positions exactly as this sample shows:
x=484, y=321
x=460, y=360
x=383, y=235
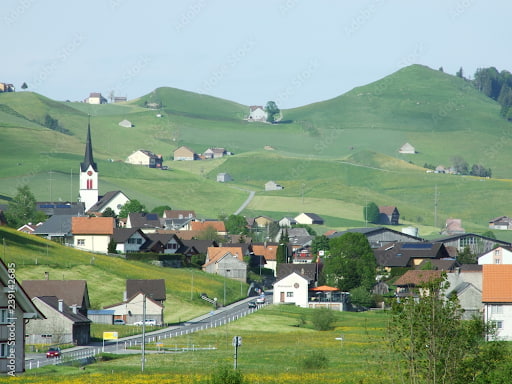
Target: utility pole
x=143, y=347
x=435, y=206
x=50, y=179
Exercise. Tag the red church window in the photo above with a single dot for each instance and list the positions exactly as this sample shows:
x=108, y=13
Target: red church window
x=89, y=183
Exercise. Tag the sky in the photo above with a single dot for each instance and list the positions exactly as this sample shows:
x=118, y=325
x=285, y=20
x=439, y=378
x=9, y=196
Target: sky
x=293, y=52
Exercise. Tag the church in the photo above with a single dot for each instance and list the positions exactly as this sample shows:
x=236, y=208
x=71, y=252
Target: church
x=89, y=185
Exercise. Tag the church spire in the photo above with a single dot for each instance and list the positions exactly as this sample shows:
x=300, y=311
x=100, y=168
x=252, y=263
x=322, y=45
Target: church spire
x=88, y=159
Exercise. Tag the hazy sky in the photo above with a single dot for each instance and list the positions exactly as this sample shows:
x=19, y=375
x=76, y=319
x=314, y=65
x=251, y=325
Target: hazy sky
x=294, y=52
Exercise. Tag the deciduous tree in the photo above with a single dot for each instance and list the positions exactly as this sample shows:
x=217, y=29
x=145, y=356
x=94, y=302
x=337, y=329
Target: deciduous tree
x=133, y=206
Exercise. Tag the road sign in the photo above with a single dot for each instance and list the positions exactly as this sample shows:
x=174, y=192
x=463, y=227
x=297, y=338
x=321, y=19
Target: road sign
x=110, y=336
x=237, y=341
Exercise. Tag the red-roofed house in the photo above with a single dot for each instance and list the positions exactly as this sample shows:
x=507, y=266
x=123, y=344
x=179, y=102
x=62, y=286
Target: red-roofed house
x=204, y=225
x=92, y=233
x=269, y=252
x=389, y=215
x=226, y=261
x=497, y=298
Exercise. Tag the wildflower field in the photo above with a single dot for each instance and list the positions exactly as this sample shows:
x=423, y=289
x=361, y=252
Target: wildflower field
x=279, y=346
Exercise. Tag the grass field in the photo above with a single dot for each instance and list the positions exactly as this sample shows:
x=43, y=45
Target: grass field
x=275, y=349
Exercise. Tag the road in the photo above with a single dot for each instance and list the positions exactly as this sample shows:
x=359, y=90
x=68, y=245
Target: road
x=213, y=319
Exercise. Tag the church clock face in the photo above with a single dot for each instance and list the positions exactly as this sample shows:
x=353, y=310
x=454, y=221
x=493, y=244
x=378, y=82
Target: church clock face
x=89, y=173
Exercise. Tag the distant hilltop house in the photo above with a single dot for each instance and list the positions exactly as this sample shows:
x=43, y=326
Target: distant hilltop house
x=184, y=153
x=453, y=227
x=125, y=124
x=272, y=186
x=257, y=113
x=388, y=215
x=145, y=158
x=224, y=177
x=120, y=99
x=214, y=153
x=95, y=98
x=407, y=149
x=501, y=223
x=4, y=87
x=309, y=218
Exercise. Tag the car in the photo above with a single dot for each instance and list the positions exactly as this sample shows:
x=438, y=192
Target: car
x=251, y=304
x=119, y=322
x=146, y=322
x=53, y=352
x=260, y=300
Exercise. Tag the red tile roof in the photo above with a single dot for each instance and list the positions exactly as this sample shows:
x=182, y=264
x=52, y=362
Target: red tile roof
x=417, y=277
x=269, y=251
x=85, y=225
x=202, y=225
x=497, y=283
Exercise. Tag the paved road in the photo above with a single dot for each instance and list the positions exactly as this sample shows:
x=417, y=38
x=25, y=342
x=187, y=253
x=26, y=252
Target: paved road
x=213, y=319
x=246, y=202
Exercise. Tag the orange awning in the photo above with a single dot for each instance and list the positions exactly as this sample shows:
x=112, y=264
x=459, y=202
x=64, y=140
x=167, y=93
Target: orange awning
x=324, y=288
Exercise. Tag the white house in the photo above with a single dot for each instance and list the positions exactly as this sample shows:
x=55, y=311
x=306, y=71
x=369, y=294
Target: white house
x=407, y=149
x=287, y=222
x=92, y=233
x=498, y=255
x=292, y=289
x=132, y=309
x=309, y=218
x=125, y=123
x=95, y=98
x=129, y=239
x=497, y=298
x=145, y=158
x=272, y=186
x=113, y=200
x=224, y=177
x=257, y=113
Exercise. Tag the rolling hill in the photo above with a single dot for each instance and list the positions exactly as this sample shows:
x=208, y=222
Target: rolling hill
x=332, y=157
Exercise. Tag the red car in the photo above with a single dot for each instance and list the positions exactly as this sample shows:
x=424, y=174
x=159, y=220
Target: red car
x=53, y=352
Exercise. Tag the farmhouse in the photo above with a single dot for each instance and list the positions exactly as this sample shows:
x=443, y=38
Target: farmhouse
x=272, y=186
x=257, y=113
x=95, y=98
x=388, y=215
x=407, y=149
x=497, y=298
x=92, y=233
x=309, y=218
x=184, y=153
x=145, y=158
x=501, y=223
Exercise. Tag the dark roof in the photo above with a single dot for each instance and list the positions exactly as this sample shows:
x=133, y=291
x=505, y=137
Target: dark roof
x=71, y=291
x=200, y=245
x=441, y=264
x=51, y=208
x=155, y=288
x=314, y=217
x=463, y=235
x=399, y=254
x=88, y=158
x=309, y=271
x=53, y=302
x=144, y=220
x=368, y=231
x=103, y=201
x=58, y=225
x=122, y=235
x=471, y=268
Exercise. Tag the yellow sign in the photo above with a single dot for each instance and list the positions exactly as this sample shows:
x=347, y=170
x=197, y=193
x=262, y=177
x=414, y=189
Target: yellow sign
x=109, y=335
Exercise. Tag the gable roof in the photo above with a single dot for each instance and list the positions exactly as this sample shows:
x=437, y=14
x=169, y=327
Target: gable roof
x=308, y=271
x=154, y=288
x=122, y=235
x=53, y=302
x=497, y=287
x=55, y=225
x=399, y=254
x=144, y=220
x=469, y=234
x=105, y=200
x=413, y=278
x=179, y=214
x=388, y=209
x=71, y=291
x=200, y=245
x=92, y=225
x=202, y=225
x=267, y=250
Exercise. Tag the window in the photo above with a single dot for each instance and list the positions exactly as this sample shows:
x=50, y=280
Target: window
x=4, y=350
x=496, y=309
x=80, y=242
x=289, y=294
x=3, y=316
x=497, y=261
x=498, y=324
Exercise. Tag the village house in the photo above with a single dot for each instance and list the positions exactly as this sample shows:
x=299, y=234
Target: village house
x=257, y=113
x=409, y=254
x=113, y=200
x=407, y=149
x=145, y=158
x=184, y=153
x=272, y=186
x=214, y=153
x=129, y=239
x=224, y=177
x=92, y=234
x=14, y=318
x=503, y=223
x=388, y=215
x=5, y=87
x=309, y=218
x=95, y=98
x=497, y=298
x=227, y=261
x=498, y=255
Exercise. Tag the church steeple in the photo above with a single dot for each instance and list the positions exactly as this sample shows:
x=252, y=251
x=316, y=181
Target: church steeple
x=88, y=158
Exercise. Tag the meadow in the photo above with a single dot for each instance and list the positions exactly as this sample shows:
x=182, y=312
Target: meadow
x=278, y=346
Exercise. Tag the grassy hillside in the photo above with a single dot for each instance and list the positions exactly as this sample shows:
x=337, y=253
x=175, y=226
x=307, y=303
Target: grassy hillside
x=106, y=276
x=340, y=152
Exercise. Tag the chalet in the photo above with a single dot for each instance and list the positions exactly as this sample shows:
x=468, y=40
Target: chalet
x=272, y=186
x=501, y=223
x=145, y=158
x=214, y=153
x=14, y=320
x=184, y=153
x=167, y=243
x=309, y=218
x=113, y=200
x=129, y=239
x=407, y=149
x=95, y=98
x=147, y=222
x=388, y=215
x=257, y=113
x=92, y=233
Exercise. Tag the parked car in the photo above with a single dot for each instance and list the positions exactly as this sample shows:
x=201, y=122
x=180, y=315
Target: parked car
x=146, y=322
x=260, y=300
x=119, y=322
x=53, y=352
x=251, y=304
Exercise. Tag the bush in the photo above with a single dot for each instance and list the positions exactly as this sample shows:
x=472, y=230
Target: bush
x=225, y=375
x=322, y=319
x=315, y=360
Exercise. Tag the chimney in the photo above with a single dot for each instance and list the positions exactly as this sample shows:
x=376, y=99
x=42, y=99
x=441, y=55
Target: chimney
x=73, y=308
x=125, y=296
x=61, y=305
x=47, y=275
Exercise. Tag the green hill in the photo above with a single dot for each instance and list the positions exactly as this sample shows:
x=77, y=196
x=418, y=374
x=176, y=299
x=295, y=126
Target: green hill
x=341, y=152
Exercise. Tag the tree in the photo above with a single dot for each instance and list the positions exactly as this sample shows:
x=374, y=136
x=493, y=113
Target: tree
x=361, y=296
x=319, y=243
x=210, y=233
x=24, y=86
x=460, y=165
x=428, y=337
x=22, y=209
x=466, y=257
x=161, y=209
x=460, y=73
x=272, y=111
x=112, y=246
x=133, y=206
x=236, y=225
x=351, y=263
x=108, y=212
x=371, y=213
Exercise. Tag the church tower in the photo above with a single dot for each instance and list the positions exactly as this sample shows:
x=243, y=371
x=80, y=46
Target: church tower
x=88, y=175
